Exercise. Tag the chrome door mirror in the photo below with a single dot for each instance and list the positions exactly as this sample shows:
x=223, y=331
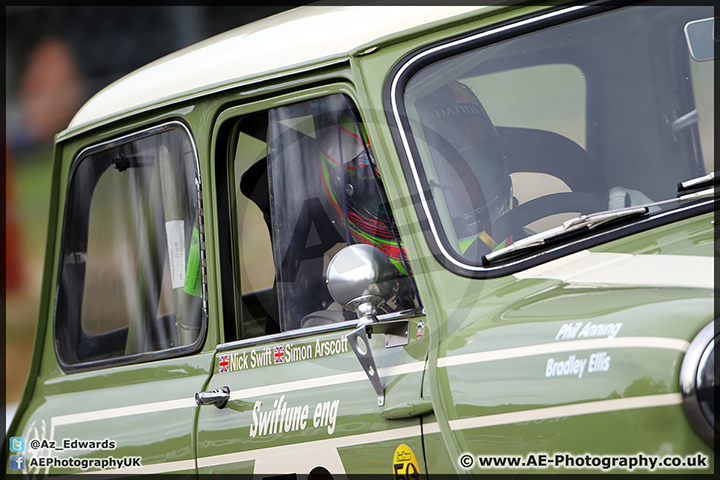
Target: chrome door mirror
x=361, y=278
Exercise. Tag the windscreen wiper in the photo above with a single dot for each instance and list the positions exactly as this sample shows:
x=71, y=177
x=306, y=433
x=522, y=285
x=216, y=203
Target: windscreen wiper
x=588, y=222
x=697, y=182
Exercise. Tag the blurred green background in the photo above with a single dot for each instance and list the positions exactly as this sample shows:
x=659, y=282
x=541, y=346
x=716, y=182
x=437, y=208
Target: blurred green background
x=56, y=58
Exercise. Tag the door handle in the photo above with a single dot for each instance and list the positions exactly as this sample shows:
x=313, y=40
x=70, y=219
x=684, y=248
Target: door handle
x=218, y=397
x=413, y=408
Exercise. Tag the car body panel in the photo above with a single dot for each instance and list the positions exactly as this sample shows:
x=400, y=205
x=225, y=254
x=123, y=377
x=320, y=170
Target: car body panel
x=332, y=404
x=493, y=366
x=551, y=342
x=148, y=411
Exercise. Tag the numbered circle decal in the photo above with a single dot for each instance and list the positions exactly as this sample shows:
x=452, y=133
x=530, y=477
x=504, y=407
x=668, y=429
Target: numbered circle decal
x=405, y=466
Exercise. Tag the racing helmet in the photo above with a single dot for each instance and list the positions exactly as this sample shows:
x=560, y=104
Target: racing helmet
x=470, y=164
x=353, y=189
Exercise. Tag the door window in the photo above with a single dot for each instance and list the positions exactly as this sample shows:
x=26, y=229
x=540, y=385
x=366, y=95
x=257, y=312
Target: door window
x=316, y=188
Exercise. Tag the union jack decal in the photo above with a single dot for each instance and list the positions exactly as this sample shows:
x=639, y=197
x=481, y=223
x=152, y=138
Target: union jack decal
x=224, y=364
x=279, y=354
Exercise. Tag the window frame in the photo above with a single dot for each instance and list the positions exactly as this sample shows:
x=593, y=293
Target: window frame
x=409, y=155
x=225, y=137
x=77, y=323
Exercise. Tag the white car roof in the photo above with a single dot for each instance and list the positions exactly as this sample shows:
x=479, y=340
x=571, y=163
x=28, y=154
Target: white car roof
x=309, y=35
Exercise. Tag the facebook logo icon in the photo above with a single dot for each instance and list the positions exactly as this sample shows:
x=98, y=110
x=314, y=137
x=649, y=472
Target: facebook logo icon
x=17, y=462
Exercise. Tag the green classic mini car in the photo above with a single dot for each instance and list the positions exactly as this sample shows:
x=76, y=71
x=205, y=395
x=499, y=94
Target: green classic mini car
x=387, y=239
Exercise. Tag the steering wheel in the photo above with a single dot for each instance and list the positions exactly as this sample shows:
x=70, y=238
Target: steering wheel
x=512, y=222
x=538, y=208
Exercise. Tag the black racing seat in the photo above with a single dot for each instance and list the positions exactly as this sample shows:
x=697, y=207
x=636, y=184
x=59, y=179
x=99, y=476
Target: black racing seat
x=542, y=151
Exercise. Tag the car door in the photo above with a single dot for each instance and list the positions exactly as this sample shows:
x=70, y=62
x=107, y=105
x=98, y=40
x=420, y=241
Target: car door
x=120, y=360
x=288, y=394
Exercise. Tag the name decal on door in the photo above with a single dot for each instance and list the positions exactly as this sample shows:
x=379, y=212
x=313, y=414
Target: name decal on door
x=282, y=418
x=281, y=354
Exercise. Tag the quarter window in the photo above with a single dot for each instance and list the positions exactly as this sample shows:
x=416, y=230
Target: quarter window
x=130, y=274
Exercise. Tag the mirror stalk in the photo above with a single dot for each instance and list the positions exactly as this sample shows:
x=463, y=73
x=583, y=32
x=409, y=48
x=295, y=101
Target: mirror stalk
x=361, y=278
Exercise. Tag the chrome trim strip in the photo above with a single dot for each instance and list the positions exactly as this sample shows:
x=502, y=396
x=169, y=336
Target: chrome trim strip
x=302, y=332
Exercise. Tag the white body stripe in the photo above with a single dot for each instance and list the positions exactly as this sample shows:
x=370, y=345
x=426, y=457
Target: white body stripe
x=601, y=406
x=560, y=346
x=324, y=381
x=607, y=268
x=508, y=353
x=123, y=411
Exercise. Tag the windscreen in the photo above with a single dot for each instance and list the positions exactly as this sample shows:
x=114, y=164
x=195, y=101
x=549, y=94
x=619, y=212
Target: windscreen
x=513, y=138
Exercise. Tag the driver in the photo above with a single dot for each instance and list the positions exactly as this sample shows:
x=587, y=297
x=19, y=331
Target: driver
x=471, y=168
x=470, y=164
x=350, y=179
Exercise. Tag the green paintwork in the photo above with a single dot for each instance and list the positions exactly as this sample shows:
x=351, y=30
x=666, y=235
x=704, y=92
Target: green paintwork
x=435, y=388
x=321, y=377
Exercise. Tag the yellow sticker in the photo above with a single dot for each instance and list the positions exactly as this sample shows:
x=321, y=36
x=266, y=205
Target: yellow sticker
x=405, y=466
